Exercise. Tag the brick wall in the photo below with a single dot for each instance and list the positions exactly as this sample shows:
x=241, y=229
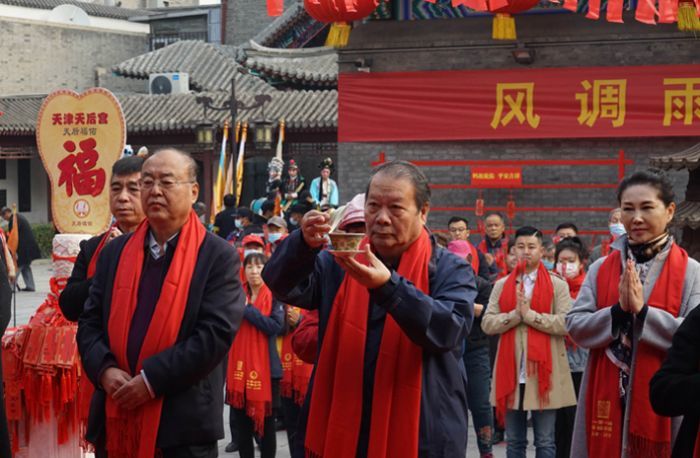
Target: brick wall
x=559, y=41
x=245, y=18
x=37, y=57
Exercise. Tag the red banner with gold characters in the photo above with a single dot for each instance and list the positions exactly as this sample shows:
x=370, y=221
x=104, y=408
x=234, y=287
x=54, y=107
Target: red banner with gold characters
x=496, y=177
x=645, y=101
x=79, y=137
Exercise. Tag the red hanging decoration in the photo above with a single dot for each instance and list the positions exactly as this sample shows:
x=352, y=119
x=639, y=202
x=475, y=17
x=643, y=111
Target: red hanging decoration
x=503, y=21
x=339, y=13
x=510, y=209
x=479, y=207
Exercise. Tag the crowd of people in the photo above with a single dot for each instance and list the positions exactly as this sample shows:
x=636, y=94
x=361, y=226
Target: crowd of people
x=383, y=350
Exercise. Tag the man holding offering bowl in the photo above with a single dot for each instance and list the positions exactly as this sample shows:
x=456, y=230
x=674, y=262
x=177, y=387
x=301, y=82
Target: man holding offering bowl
x=389, y=379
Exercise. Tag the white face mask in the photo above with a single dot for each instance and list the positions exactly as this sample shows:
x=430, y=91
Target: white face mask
x=617, y=229
x=293, y=221
x=568, y=269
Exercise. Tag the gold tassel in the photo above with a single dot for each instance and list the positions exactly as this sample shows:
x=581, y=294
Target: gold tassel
x=688, y=20
x=503, y=27
x=338, y=35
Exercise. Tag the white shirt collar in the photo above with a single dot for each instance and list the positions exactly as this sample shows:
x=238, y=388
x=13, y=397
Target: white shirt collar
x=158, y=250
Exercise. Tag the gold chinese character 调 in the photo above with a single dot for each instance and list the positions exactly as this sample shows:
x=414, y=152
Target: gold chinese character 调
x=682, y=102
x=520, y=101
x=605, y=99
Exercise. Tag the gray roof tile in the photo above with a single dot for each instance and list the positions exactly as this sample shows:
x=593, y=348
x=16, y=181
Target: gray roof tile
x=316, y=67
x=92, y=9
x=687, y=159
x=687, y=215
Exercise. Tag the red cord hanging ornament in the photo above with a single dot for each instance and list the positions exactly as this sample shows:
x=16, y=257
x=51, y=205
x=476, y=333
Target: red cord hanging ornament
x=510, y=209
x=503, y=21
x=340, y=13
x=479, y=212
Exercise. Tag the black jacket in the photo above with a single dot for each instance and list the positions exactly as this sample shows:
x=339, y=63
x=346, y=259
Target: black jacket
x=74, y=295
x=27, y=250
x=438, y=323
x=675, y=388
x=477, y=338
x=225, y=222
x=189, y=375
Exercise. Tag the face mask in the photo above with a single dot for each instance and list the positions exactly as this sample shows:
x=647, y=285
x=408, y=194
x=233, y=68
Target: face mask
x=568, y=269
x=238, y=223
x=273, y=237
x=293, y=221
x=549, y=265
x=247, y=252
x=617, y=229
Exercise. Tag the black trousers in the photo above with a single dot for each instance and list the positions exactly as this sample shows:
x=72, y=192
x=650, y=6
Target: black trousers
x=184, y=451
x=246, y=431
x=291, y=417
x=564, y=428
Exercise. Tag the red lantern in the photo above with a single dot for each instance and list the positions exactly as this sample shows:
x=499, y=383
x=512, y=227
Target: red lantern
x=339, y=13
x=510, y=209
x=503, y=22
x=479, y=212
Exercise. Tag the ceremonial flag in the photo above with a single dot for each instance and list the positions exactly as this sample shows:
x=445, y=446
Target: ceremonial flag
x=239, y=164
x=218, y=197
x=228, y=187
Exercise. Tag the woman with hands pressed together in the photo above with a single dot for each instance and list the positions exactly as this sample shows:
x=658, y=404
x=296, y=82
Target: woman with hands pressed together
x=629, y=307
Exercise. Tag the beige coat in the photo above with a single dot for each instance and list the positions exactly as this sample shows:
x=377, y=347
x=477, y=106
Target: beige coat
x=495, y=322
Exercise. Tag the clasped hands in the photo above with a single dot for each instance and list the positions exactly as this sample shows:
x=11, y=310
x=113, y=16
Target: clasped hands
x=631, y=290
x=128, y=392
x=522, y=303
x=315, y=225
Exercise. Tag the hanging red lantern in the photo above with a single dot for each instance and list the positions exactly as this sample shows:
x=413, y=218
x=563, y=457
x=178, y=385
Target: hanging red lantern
x=479, y=212
x=503, y=21
x=339, y=13
x=510, y=209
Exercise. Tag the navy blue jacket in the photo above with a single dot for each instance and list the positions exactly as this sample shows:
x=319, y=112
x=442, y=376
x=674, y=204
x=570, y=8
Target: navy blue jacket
x=308, y=278
x=271, y=325
x=189, y=376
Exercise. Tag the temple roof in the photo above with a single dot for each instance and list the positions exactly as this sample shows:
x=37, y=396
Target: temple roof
x=686, y=159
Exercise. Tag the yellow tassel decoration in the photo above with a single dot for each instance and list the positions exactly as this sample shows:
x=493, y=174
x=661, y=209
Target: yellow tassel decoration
x=688, y=20
x=503, y=27
x=338, y=35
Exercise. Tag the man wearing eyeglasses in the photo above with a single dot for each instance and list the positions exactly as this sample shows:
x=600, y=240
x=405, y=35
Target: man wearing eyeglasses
x=164, y=306
x=125, y=205
x=458, y=228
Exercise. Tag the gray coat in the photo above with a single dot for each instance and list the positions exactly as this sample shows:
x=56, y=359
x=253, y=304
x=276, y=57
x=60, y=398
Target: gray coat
x=592, y=328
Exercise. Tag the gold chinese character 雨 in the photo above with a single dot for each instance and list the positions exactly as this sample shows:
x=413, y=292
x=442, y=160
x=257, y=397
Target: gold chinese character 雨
x=682, y=102
x=607, y=101
x=520, y=101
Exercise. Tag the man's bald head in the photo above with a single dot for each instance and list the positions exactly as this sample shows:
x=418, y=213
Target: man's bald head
x=190, y=163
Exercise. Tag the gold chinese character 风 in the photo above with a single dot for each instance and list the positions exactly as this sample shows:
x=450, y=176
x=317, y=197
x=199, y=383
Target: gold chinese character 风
x=605, y=99
x=520, y=101
x=682, y=102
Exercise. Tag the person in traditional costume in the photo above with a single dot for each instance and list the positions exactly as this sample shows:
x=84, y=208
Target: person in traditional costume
x=628, y=309
x=165, y=304
x=494, y=245
x=293, y=185
x=616, y=229
x=392, y=321
x=254, y=368
x=527, y=308
x=571, y=260
x=125, y=206
x=27, y=249
x=324, y=190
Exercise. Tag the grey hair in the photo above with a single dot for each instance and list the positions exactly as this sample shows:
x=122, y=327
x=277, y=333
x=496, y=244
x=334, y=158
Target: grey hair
x=405, y=170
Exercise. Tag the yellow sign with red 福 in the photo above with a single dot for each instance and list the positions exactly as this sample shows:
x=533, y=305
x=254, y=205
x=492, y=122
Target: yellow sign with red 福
x=80, y=137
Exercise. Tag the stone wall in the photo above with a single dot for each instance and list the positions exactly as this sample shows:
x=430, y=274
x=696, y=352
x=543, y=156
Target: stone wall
x=37, y=57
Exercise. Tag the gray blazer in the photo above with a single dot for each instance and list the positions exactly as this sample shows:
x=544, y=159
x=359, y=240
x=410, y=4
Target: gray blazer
x=592, y=328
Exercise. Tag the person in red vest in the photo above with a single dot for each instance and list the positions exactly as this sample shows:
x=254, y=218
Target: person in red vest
x=125, y=205
x=458, y=228
x=495, y=245
x=629, y=307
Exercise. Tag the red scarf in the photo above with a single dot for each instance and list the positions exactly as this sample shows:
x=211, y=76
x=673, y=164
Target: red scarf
x=475, y=258
x=93, y=262
x=649, y=434
x=295, y=372
x=336, y=399
x=499, y=257
x=133, y=433
x=248, y=377
x=539, y=344
x=576, y=283
x=605, y=246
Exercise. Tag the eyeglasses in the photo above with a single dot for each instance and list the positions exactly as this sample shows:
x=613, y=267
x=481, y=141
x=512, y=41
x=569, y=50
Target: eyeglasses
x=165, y=183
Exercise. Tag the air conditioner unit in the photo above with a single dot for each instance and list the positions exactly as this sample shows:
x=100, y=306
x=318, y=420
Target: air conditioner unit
x=169, y=83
